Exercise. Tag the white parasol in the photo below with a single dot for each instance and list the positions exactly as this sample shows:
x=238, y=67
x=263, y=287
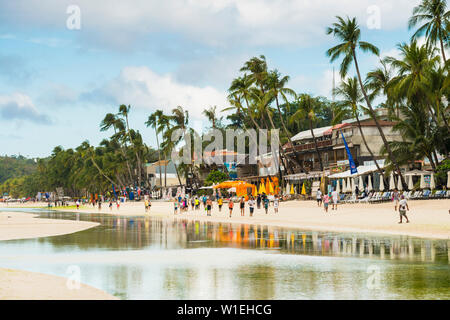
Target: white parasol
x=369, y=184
x=392, y=182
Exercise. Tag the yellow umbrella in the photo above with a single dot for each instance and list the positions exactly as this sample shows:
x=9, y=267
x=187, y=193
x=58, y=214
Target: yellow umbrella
x=254, y=192
x=262, y=189
x=270, y=188
x=292, y=189
x=303, y=189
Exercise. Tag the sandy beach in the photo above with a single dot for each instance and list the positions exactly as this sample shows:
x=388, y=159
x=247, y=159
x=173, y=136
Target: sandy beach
x=24, y=285
x=429, y=218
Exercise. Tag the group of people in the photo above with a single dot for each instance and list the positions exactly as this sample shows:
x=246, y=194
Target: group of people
x=327, y=198
x=182, y=204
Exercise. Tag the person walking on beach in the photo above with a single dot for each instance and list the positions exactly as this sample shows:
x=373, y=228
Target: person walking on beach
x=276, y=203
x=242, y=206
x=99, y=205
x=326, y=201
x=204, y=202
x=230, y=206
x=396, y=198
x=403, y=206
x=175, y=207
x=319, y=198
x=208, y=207
x=266, y=204
x=78, y=204
x=110, y=205
x=335, y=197
x=220, y=203
x=258, y=201
x=118, y=204
x=197, y=203
x=251, y=205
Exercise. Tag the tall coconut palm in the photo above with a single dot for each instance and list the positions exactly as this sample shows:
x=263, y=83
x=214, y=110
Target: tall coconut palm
x=351, y=99
x=124, y=111
x=349, y=33
x=307, y=110
x=153, y=121
x=112, y=121
x=435, y=16
x=211, y=115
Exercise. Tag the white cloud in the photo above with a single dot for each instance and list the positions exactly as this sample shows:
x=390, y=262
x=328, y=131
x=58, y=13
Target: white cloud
x=19, y=106
x=143, y=88
x=219, y=23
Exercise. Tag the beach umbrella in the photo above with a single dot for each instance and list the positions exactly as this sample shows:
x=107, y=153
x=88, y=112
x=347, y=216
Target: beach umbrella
x=344, y=186
x=399, y=184
x=392, y=182
x=349, y=186
x=262, y=188
x=432, y=182
x=338, y=186
x=254, y=192
x=369, y=186
x=381, y=183
x=360, y=183
x=292, y=189
x=303, y=189
x=353, y=185
x=270, y=187
x=422, y=182
x=288, y=188
x=410, y=182
x=448, y=180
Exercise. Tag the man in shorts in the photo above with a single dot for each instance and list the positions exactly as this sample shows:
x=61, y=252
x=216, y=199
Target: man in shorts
x=319, y=198
x=334, y=197
x=251, y=205
x=396, y=198
x=276, y=203
x=403, y=206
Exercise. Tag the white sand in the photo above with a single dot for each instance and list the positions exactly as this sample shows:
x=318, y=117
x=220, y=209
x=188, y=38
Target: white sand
x=18, y=225
x=24, y=285
x=429, y=218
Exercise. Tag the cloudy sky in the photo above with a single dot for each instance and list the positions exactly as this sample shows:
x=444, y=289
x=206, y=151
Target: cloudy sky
x=57, y=80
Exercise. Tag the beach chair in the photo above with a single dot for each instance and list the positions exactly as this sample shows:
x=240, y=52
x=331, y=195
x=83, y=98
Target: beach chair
x=352, y=199
x=426, y=195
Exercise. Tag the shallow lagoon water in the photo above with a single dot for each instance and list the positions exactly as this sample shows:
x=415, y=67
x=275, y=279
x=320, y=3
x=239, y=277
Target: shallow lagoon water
x=165, y=258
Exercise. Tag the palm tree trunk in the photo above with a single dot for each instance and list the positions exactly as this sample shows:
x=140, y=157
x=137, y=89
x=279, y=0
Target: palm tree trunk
x=138, y=160
x=315, y=144
x=288, y=134
x=178, y=175
x=372, y=113
x=159, y=158
x=370, y=151
x=442, y=46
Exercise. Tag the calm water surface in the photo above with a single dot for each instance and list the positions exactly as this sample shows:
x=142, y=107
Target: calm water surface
x=156, y=258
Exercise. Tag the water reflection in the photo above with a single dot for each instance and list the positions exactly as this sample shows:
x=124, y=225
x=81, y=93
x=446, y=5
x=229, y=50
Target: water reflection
x=154, y=258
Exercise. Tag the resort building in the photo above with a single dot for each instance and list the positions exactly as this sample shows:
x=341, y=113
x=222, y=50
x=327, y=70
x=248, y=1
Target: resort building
x=168, y=176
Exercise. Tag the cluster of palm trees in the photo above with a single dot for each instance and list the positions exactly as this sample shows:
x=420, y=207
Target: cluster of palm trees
x=414, y=87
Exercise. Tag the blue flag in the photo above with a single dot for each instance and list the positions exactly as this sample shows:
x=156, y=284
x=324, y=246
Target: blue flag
x=352, y=164
x=114, y=190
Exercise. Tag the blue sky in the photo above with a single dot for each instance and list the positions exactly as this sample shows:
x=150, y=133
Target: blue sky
x=56, y=84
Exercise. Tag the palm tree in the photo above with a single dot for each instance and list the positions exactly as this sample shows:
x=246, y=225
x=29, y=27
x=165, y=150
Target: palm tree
x=111, y=120
x=153, y=121
x=211, y=114
x=124, y=111
x=307, y=110
x=435, y=18
x=349, y=33
x=351, y=99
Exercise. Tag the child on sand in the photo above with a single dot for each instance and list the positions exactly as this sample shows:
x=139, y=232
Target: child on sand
x=403, y=206
x=276, y=203
x=197, y=203
x=326, y=201
x=146, y=205
x=230, y=206
x=334, y=196
x=220, y=203
x=175, y=207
